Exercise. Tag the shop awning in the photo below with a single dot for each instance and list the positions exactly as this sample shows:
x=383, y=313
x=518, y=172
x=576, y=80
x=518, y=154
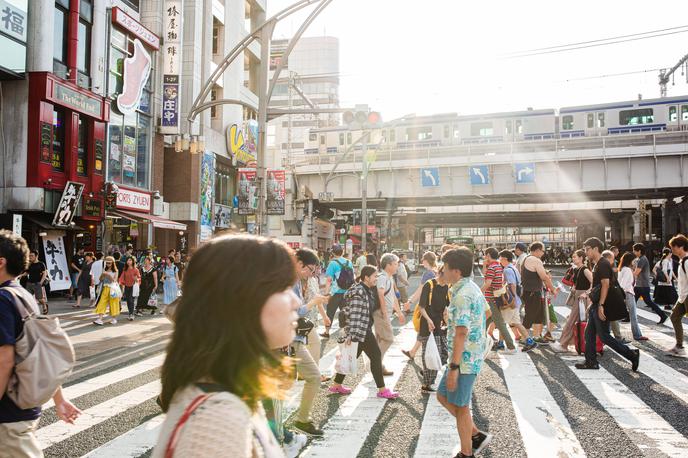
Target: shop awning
x=45, y=221
x=157, y=221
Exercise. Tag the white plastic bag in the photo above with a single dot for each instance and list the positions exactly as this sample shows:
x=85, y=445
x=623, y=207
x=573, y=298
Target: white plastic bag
x=432, y=354
x=346, y=360
x=92, y=292
x=135, y=290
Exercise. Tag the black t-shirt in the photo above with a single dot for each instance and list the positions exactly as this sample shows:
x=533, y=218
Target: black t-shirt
x=603, y=269
x=35, y=271
x=11, y=327
x=582, y=282
x=434, y=309
x=78, y=260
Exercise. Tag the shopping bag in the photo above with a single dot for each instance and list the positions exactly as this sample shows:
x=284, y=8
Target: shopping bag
x=135, y=290
x=346, y=360
x=115, y=291
x=432, y=354
x=92, y=292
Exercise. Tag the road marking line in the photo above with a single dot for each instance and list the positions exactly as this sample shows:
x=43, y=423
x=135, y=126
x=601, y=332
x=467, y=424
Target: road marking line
x=350, y=425
x=651, y=316
x=543, y=426
x=438, y=437
x=122, y=329
x=646, y=429
x=110, y=378
x=60, y=431
x=133, y=443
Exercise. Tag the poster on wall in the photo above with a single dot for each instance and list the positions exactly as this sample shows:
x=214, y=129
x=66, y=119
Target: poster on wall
x=247, y=191
x=223, y=215
x=172, y=57
x=276, y=191
x=56, y=260
x=207, y=197
x=69, y=201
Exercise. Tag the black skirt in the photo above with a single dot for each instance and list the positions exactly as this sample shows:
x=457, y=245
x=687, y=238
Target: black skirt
x=665, y=295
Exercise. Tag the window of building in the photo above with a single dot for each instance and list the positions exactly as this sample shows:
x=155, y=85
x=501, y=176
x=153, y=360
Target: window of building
x=567, y=122
x=482, y=129
x=224, y=183
x=636, y=117
x=60, y=31
x=142, y=151
x=58, y=157
x=82, y=148
x=213, y=109
x=673, y=114
x=312, y=137
x=217, y=37
x=83, y=56
x=600, y=119
x=591, y=120
x=684, y=112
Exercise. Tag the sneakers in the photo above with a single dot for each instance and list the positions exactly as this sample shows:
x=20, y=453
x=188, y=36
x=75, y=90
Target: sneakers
x=130, y=318
x=663, y=319
x=510, y=351
x=529, y=344
x=325, y=335
x=387, y=394
x=557, y=348
x=426, y=389
x=386, y=372
x=498, y=346
x=308, y=428
x=677, y=351
x=98, y=322
x=635, y=361
x=585, y=365
x=113, y=321
x=293, y=448
x=667, y=307
x=480, y=441
x=339, y=389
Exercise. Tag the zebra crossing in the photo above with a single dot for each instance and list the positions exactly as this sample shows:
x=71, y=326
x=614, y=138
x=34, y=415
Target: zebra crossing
x=536, y=404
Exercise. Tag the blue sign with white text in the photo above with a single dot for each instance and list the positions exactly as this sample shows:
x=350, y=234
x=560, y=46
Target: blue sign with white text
x=430, y=177
x=479, y=174
x=525, y=172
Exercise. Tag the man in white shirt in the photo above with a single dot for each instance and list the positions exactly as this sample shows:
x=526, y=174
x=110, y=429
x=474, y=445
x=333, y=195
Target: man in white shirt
x=679, y=247
x=96, y=272
x=389, y=263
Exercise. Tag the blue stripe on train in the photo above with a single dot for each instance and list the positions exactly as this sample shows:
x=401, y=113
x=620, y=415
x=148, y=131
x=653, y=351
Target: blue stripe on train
x=637, y=128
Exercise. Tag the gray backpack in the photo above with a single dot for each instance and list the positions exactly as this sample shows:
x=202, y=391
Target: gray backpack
x=44, y=356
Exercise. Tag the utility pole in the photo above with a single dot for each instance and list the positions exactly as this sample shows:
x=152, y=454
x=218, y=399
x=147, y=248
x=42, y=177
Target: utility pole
x=364, y=195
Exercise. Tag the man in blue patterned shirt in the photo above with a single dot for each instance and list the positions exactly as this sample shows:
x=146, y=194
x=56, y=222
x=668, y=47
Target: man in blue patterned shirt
x=467, y=340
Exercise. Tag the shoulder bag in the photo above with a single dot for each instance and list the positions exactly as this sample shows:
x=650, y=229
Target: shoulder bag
x=615, y=303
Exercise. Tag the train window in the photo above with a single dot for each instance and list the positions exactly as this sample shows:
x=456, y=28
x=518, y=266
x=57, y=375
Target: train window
x=456, y=131
x=348, y=138
x=591, y=120
x=341, y=139
x=600, y=119
x=508, y=127
x=673, y=114
x=567, y=122
x=482, y=129
x=392, y=135
x=313, y=137
x=519, y=127
x=322, y=139
x=684, y=112
x=446, y=131
x=424, y=133
x=635, y=117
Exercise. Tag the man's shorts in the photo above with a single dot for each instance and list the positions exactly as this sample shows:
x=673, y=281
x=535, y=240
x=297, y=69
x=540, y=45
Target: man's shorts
x=535, y=309
x=464, y=389
x=511, y=316
x=74, y=276
x=37, y=290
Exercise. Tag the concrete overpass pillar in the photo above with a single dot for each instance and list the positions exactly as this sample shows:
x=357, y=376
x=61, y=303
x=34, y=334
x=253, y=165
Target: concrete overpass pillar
x=683, y=217
x=668, y=220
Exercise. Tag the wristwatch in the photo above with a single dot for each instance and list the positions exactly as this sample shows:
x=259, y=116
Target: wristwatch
x=454, y=367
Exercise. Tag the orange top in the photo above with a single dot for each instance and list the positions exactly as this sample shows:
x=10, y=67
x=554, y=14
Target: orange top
x=129, y=276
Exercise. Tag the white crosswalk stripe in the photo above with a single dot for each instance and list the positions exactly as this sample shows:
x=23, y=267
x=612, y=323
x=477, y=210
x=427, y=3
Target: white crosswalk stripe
x=544, y=423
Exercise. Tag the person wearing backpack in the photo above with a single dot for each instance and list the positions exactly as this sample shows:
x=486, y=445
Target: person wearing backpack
x=18, y=424
x=340, y=277
x=679, y=246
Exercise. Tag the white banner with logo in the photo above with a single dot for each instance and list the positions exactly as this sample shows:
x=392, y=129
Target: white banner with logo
x=56, y=260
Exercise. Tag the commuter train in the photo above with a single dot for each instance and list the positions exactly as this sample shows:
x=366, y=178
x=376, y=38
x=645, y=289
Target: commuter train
x=413, y=132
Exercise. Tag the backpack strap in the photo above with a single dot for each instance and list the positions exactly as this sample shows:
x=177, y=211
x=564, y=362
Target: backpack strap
x=25, y=311
x=174, y=437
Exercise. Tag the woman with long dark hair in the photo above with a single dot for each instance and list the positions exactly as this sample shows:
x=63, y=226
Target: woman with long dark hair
x=665, y=294
x=357, y=307
x=220, y=362
x=582, y=279
x=627, y=282
x=149, y=284
x=127, y=279
x=110, y=293
x=170, y=281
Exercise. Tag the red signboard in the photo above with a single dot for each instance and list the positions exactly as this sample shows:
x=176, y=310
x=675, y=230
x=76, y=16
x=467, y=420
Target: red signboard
x=356, y=230
x=127, y=22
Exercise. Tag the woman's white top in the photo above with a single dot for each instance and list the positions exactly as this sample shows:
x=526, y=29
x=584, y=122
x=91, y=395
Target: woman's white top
x=626, y=280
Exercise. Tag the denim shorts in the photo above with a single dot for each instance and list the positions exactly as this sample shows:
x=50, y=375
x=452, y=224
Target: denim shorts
x=464, y=390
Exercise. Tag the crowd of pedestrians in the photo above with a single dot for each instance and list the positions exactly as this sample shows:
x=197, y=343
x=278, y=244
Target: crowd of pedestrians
x=244, y=332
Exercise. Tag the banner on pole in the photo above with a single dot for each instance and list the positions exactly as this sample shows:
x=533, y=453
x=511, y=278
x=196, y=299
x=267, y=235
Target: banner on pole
x=247, y=191
x=207, y=195
x=276, y=191
x=56, y=261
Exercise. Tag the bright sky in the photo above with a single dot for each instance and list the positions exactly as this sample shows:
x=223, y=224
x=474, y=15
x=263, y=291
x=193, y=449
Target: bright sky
x=439, y=56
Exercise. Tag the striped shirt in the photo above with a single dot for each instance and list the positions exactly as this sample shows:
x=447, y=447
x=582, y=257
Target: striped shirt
x=493, y=272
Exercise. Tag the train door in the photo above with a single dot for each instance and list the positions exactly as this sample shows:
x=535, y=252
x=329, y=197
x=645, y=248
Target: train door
x=595, y=123
x=672, y=117
x=683, y=120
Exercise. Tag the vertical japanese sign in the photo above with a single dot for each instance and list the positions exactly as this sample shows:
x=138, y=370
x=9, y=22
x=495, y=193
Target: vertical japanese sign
x=276, y=191
x=68, y=204
x=207, y=198
x=56, y=261
x=247, y=191
x=172, y=58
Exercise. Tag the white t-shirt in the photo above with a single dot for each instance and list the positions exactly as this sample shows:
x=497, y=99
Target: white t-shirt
x=386, y=283
x=97, y=271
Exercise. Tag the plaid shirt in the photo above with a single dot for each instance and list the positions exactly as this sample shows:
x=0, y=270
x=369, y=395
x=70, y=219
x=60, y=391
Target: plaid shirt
x=356, y=308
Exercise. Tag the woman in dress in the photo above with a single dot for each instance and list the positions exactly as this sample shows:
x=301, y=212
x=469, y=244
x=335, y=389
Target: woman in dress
x=108, y=299
x=582, y=280
x=170, y=281
x=220, y=362
x=665, y=293
x=149, y=284
x=429, y=262
x=627, y=282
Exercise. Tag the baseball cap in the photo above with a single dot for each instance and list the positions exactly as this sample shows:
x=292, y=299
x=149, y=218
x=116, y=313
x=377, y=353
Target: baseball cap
x=521, y=246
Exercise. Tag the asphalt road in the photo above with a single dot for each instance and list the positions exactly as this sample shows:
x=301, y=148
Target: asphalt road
x=535, y=404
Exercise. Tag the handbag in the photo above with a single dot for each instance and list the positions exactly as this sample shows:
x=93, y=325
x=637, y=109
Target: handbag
x=569, y=277
x=615, y=304
x=304, y=326
x=153, y=301
x=136, y=289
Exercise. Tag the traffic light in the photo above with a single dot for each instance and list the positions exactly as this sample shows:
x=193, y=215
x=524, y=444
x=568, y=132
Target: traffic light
x=362, y=118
